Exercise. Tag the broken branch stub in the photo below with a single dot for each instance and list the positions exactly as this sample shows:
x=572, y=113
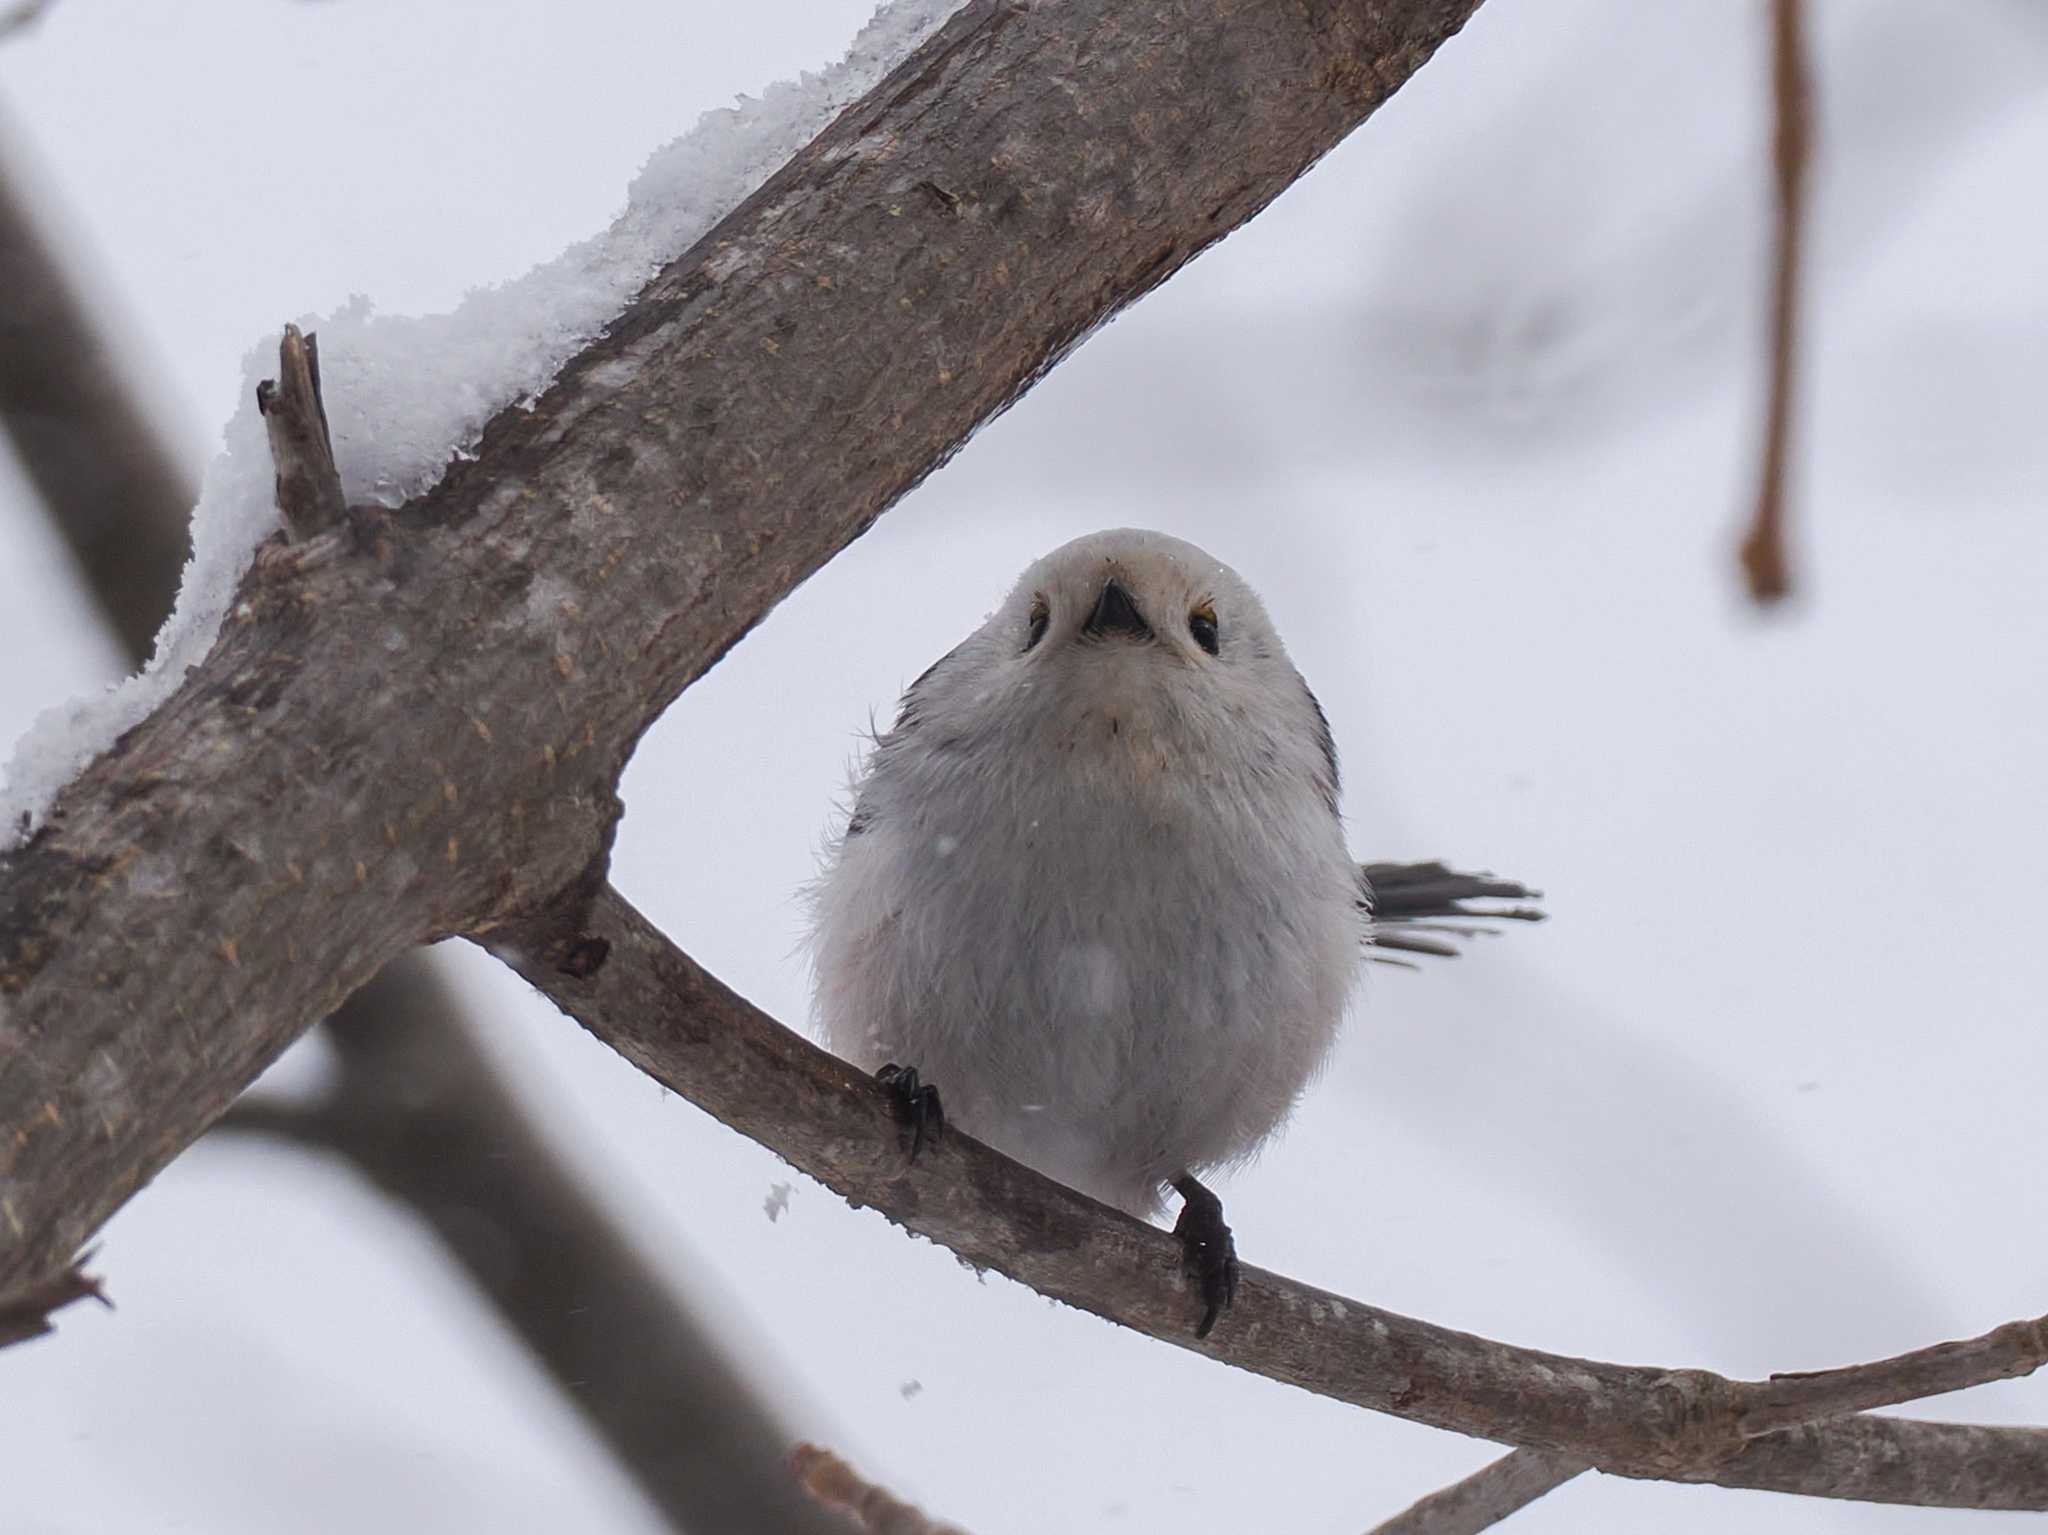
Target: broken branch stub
x=309, y=495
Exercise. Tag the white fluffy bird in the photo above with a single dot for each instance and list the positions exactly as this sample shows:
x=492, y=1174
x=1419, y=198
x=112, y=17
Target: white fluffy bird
x=1095, y=886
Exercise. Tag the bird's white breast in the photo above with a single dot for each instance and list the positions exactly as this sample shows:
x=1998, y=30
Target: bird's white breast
x=1118, y=958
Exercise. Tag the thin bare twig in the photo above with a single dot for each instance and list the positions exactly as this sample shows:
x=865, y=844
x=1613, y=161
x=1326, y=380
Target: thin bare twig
x=658, y=1008
x=1785, y=1401
x=837, y=1486
x=1764, y=561
x=1792, y=1400
x=1480, y=1501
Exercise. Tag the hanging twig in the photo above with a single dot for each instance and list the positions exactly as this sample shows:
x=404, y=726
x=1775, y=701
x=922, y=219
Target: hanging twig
x=1764, y=559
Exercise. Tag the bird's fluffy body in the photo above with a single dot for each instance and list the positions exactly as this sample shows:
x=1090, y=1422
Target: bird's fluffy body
x=1095, y=885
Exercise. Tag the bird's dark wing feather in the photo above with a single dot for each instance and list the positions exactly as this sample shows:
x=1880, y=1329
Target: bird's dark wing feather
x=1328, y=743
x=1418, y=908
x=906, y=720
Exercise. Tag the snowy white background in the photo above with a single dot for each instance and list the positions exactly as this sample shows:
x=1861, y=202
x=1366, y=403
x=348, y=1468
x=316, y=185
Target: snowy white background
x=1473, y=407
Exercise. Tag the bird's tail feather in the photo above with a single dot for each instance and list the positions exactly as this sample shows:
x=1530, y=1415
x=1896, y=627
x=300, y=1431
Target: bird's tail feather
x=1420, y=908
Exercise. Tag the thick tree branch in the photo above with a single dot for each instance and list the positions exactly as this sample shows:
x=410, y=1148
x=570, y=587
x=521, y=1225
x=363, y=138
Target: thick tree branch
x=419, y=1105
x=650, y=1002
x=377, y=753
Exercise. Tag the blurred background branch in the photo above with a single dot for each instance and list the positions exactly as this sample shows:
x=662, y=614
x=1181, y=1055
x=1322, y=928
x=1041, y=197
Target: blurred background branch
x=836, y=1485
x=1764, y=560
x=21, y=15
x=417, y=1105
x=111, y=484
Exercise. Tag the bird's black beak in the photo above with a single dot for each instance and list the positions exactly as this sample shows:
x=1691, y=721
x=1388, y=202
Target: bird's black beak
x=1115, y=613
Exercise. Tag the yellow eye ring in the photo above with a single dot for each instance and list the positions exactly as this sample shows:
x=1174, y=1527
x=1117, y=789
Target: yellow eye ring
x=1202, y=625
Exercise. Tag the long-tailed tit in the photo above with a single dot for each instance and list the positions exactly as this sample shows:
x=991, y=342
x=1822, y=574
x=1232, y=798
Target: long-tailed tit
x=1095, y=885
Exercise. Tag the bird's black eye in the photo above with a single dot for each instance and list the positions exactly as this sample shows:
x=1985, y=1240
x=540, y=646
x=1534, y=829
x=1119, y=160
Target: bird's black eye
x=1202, y=625
x=1041, y=615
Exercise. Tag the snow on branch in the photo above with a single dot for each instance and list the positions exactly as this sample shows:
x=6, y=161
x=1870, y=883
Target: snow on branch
x=407, y=397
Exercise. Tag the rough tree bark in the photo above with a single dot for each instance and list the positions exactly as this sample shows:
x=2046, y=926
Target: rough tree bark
x=418, y=1105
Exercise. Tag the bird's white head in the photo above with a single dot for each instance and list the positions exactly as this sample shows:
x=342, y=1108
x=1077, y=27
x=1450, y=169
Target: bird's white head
x=1136, y=652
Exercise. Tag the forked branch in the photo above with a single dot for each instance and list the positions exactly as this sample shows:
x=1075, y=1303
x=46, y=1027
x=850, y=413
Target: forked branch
x=1490, y=1494
x=654, y=1005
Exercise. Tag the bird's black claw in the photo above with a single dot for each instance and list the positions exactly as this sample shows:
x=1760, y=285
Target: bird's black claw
x=1208, y=1251
x=916, y=1103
